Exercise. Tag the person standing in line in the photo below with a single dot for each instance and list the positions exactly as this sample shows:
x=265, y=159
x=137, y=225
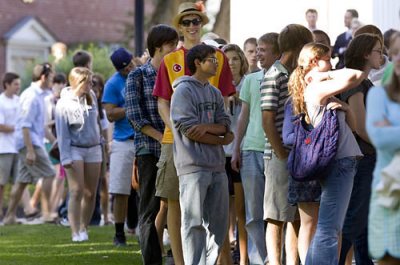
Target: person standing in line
x=9, y=103
x=274, y=93
x=364, y=53
x=123, y=149
x=189, y=22
x=311, y=18
x=312, y=89
x=239, y=67
x=79, y=141
x=142, y=112
x=383, y=127
x=249, y=144
x=343, y=40
x=200, y=128
x=34, y=162
x=250, y=51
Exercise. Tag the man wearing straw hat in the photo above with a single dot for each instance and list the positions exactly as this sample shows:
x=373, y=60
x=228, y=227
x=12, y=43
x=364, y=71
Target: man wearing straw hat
x=189, y=21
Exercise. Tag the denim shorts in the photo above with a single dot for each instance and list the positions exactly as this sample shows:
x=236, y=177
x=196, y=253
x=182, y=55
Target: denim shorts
x=87, y=154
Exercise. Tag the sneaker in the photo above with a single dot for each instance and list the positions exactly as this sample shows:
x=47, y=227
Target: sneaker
x=76, y=237
x=64, y=221
x=120, y=241
x=84, y=235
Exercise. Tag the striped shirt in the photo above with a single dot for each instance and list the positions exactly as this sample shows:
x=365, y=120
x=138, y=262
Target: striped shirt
x=274, y=93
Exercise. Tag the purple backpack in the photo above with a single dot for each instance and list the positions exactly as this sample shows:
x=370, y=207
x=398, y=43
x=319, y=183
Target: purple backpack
x=313, y=149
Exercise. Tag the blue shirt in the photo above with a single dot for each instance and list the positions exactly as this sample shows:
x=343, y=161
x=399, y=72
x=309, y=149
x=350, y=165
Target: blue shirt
x=114, y=93
x=31, y=115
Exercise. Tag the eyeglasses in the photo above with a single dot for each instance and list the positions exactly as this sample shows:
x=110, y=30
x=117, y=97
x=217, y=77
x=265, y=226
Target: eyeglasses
x=195, y=22
x=211, y=59
x=378, y=51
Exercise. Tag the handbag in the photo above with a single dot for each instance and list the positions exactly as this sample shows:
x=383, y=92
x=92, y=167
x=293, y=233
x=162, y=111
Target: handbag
x=313, y=148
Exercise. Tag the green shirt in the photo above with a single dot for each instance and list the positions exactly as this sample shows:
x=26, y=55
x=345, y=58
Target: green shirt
x=250, y=93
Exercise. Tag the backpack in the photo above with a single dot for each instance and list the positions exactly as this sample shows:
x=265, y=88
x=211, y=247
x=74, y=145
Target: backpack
x=313, y=148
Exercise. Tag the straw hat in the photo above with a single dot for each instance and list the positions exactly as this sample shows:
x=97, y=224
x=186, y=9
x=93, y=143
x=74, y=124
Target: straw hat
x=188, y=8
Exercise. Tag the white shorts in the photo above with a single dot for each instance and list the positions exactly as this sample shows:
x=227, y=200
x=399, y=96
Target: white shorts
x=121, y=164
x=87, y=154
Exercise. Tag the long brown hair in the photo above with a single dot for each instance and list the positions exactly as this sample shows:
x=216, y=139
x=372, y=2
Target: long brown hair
x=393, y=86
x=297, y=83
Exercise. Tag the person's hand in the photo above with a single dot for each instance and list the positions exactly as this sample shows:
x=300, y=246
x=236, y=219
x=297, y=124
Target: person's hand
x=283, y=154
x=30, y=157
x=335, y=103
x=66, y=166
x=382, y=123
x=197, y=131
x=235, y=161
x=228, y=138
x=315, y=76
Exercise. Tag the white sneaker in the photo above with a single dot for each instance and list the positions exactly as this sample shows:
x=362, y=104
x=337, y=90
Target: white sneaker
x=84, y=235
x=76, y=237
x=64, y=222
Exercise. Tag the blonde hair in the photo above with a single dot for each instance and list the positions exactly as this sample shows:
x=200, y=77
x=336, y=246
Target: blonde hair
x=77, y=76
x=297, y=83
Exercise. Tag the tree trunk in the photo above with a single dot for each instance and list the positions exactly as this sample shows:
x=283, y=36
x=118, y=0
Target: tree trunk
x=222, y=23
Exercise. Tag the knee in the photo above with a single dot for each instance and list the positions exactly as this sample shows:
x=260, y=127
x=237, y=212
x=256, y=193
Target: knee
x=75, y=194
x=89, y=195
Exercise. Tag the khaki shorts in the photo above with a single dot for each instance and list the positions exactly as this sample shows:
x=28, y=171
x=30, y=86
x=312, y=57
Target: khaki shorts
x=276, y=205
x=167, y=182
x=8, y=168
x=42, y=168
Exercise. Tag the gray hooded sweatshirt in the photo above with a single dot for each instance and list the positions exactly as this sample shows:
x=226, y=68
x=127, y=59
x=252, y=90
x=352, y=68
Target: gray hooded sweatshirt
x=194, y=103
x=77, y=124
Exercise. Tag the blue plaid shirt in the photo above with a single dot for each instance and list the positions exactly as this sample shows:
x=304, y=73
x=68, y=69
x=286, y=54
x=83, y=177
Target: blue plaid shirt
x=141, y=107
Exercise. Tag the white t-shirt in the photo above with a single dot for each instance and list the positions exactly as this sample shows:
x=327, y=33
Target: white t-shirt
x=8, y=116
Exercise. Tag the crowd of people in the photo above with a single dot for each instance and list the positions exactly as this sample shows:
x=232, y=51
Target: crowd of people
x=202, y=132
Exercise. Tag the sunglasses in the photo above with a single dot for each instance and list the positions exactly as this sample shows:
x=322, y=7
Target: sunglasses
x=195, y=22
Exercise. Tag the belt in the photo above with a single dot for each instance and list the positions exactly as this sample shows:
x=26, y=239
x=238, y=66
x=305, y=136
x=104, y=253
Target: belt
x=132, y=137
x=84, y=146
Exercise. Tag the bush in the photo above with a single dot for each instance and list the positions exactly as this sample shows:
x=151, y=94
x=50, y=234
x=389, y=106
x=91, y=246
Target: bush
x=101, y=62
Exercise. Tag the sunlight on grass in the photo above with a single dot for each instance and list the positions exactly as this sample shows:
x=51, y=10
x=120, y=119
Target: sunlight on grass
x=51, y=244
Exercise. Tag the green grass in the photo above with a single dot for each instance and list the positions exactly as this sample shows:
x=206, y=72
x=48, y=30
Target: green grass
x=51, y=245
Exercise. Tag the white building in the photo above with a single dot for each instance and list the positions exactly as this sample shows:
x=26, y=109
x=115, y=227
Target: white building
x=252, y=18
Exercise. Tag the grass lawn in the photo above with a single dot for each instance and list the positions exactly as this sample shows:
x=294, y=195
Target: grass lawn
x=50, y=244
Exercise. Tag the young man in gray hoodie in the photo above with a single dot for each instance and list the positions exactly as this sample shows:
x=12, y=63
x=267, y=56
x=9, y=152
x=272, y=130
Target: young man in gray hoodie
x=200, y=128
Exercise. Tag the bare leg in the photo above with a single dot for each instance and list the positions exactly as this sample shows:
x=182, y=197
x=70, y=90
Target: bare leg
x=224, y=257
x=45, y=199
x=232, y=219
x=241, y=216
x=174, y=229
x=16, y=195
x=120, y=207
x=26, y=203
x=104, y=195
x=76, y=188
x=91, y=180
x=1, y=200
x=389, y=260
x=349, y=257
x=308, y=218
x=161, y=220
x=292, y=231
x=36, y=194
x=274, y=241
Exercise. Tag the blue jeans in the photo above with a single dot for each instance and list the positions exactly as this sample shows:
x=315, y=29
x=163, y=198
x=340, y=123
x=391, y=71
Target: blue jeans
x=204, y=201
x=253, y=181
x=355, y=228
x=336, y=191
